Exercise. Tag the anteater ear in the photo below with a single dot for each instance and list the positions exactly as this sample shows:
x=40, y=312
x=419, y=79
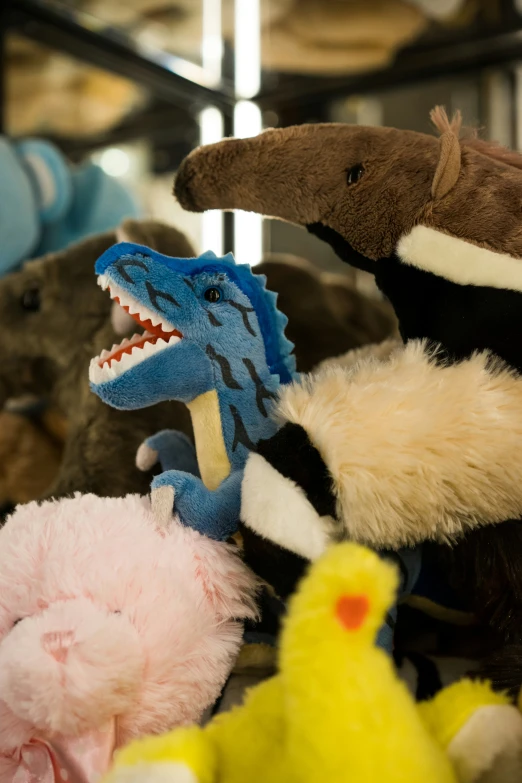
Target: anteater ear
x=448, y=167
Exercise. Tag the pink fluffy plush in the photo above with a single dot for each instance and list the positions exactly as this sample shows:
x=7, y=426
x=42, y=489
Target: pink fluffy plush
x=106, y=618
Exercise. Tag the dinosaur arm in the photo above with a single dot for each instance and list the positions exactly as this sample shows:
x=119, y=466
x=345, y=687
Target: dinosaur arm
x=172, y=449
x=214, y=513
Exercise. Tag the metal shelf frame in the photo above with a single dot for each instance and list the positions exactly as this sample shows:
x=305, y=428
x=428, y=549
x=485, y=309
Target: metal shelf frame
x=169, y=78
x=454, y=53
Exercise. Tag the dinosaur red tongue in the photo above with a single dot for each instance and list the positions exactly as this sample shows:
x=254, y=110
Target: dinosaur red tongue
x=152, y=335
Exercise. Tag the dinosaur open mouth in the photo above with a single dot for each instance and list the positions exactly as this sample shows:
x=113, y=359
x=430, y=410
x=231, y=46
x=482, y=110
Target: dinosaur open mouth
x=158, y=334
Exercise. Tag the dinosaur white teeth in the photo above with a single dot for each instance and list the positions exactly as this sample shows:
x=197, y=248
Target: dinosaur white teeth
x=95, y=371
x=134, y=307
x=174, y=339
x=125, y=362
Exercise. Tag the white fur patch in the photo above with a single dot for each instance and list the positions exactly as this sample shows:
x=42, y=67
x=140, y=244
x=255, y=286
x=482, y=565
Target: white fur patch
x=154, y=773
x=492, y=732
x=411, y=445
x=277, y=509
x=459, y=261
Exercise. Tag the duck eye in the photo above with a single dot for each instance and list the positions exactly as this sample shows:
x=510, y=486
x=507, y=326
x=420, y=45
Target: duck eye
x=212, y=295
x=354, y=174
x=31, y=300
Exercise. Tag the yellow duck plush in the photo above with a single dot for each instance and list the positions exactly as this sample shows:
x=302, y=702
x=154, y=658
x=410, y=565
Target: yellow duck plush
x=336, y=711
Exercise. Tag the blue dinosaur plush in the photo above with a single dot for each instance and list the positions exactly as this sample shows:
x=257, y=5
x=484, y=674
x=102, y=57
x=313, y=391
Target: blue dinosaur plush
x=47, y=204
x=214, y=339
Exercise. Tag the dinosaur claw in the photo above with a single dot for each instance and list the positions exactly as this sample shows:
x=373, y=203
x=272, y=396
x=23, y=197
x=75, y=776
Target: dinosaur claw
x=146, y=457
x=162, y=504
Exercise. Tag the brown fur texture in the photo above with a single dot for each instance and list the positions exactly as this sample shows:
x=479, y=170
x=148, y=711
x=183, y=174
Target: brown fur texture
x=47, y=353
x=29, y=459
x=380, y=351
x=326, y=314
x=299, y=174
x=417, y=451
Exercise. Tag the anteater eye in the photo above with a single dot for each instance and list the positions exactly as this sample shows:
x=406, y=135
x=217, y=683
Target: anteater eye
x=354, y=174
x=31, y=300
x=212, y=295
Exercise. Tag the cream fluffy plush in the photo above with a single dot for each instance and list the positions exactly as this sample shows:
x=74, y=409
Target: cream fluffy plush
x=416, y=450
x=109, y=628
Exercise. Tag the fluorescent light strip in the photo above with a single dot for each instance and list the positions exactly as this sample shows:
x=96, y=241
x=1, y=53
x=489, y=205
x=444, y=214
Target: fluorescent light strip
x=248, y=120
x=248, y=227
x=211, y=130
x=247, y=48
x=212, y=38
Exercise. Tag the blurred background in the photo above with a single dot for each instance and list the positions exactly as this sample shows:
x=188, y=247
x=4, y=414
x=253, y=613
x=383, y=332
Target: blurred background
x=134, y=85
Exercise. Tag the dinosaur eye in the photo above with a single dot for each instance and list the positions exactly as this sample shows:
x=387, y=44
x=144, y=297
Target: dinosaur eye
x=354, y=174
x=31, y=300
x=212, y=295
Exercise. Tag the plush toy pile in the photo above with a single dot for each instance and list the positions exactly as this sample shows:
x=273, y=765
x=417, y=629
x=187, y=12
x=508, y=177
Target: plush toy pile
x=312, y=509
x=416, y=211
x=336, y=711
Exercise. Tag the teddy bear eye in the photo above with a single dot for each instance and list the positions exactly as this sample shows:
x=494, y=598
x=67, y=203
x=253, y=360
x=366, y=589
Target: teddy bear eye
x=354, y=174
x=31, y=300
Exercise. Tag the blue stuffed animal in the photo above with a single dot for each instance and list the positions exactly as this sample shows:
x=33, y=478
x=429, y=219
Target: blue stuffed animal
x=47, y=204
x=214, y=339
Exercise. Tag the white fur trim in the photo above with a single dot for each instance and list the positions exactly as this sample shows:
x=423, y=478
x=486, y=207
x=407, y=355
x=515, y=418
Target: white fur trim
x=277, y=509
x=492, y=732
x=459, y=261
x=162, y=772
x=417, y=451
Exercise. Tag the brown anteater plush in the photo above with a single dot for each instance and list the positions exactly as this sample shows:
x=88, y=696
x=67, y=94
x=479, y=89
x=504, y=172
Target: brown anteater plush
x=437, y=220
